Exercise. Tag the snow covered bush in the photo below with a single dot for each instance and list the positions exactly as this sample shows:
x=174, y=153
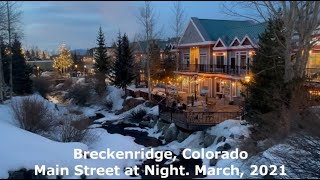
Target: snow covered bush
x=72, y=133
x=80, y=93
x=42, y=86
x=33, y=114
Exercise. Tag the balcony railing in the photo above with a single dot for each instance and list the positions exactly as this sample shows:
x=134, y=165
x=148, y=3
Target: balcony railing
x=207, y=68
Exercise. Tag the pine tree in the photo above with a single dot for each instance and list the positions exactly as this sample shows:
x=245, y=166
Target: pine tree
x=22, y=83
x=123, y=67
x=64, y=60
x=155, y=61
x=267, y=88
x=28, y=55
x=102, y=61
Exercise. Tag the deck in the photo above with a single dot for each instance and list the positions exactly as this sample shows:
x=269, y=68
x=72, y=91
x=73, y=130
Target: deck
x=195, y=120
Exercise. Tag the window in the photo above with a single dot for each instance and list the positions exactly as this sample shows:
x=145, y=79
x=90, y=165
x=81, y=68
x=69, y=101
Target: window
x=186, y=58
x=203, y=58
x=218, y=86
x=220, y=61
x=203, y=61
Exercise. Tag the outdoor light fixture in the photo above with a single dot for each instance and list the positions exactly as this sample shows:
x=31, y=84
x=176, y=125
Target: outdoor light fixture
x=85, y=66
x=310, y=52
x=247, y=78
x=214, y=54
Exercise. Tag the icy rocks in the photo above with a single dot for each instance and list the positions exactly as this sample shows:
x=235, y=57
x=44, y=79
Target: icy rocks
x=208, y=140
x=182, y=136
x=131, y=103
x=213, y=161
x=221, y=139
x=171, y=134
x=24, y=174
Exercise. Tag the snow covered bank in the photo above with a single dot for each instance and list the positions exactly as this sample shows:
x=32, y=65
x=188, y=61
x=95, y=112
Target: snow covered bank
x=23, y=149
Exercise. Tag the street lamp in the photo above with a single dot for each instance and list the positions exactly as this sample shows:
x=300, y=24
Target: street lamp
x=38, y=73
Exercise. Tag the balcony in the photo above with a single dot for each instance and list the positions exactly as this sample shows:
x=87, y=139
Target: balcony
x=208, y=68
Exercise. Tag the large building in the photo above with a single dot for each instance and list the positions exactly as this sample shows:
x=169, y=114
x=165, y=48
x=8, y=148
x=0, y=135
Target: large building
x=140, y=55
x=216, y=55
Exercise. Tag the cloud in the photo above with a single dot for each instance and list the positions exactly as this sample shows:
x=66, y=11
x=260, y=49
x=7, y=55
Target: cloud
x=46, y=24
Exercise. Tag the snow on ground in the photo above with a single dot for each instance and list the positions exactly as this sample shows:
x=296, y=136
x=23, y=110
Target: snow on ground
x=25, y=149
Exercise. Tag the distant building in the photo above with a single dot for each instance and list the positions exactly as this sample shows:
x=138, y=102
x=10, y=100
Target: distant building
x=45, y=65
x=139, y=52
x=88, y=59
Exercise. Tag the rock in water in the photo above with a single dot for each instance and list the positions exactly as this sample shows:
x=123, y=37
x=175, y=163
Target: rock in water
x=226, y=146
x=182, y=136
x=171, y=134
x=221, y=139
x=213, y=161
x=208, y=140
x=131, y=103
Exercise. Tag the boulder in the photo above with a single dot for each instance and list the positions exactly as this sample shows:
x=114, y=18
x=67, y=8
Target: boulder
x=171, y=134
x=241, y=137
x=220, y=148
x=131, y=103
x=24, y=174
x=144, y=123
x=213, y=161
x=149, y=104
x=152, y=123
x=182, y=136
x=208, y=140
x=226, y=146
x=232, y=136
x=221, y=139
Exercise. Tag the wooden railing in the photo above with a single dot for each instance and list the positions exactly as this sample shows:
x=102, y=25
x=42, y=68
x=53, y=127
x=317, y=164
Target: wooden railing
x=194, y=119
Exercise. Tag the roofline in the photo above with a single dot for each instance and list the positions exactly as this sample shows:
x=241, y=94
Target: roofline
x=197, y=29
x=219, y=39
x=246, y=36
x=234, y=39
x=197, y=44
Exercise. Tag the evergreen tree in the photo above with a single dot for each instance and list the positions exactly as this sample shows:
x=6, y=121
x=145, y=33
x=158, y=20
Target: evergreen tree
x=267, y=89
x=28, y=55
x=168, y=64
x=33, y=54
x=155, y=61
x=22, y=83
x=77, y=61
x=64, y=60
x=102, y=61
x=123, y=67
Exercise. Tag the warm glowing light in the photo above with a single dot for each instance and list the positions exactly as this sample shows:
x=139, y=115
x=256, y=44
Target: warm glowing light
x=250, y=53
x=233, y=83
x=214, y=54
x=247, y=78
x=85, y=66
x=75, y=66
x=310, y=52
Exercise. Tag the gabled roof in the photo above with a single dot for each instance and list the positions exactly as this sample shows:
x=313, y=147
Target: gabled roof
x=140, y=46
x=227, y=30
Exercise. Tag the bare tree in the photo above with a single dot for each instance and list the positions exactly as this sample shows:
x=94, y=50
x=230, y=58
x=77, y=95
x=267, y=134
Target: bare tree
x=301, y=19
x=148, y=20
x=9, y=25
x=178, y=24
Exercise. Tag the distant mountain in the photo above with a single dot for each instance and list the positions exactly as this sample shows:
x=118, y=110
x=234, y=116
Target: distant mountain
x=79, y=51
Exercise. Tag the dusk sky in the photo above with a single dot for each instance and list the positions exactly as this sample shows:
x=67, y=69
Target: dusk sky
x=47, y=24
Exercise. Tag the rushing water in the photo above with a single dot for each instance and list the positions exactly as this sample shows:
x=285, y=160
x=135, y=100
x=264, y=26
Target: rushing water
x=142, y=138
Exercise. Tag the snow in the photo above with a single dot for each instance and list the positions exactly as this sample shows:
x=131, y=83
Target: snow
x=47, y=74
x=115, y=95
x=25, y=149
